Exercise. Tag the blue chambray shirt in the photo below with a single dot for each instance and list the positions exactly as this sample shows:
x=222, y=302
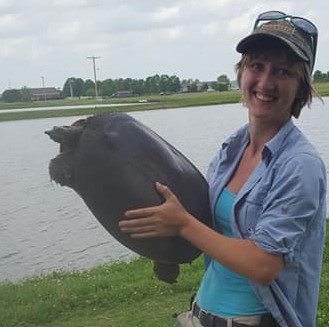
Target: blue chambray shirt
x=282, y=209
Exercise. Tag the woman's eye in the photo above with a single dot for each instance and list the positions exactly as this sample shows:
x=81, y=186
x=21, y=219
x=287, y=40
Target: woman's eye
x=256, y=65
x=284, y=72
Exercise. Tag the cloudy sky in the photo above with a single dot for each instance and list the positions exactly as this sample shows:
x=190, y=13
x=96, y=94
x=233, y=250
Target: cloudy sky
x=50, y=40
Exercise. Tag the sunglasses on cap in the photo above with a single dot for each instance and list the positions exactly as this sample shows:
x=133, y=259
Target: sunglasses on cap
x=302, y=24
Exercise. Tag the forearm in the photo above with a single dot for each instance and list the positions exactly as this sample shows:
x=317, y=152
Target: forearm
x=170, y=218
x=240, y=255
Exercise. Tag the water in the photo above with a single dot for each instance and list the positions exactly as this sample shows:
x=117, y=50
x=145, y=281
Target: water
x=45, y=227
x=83, y=106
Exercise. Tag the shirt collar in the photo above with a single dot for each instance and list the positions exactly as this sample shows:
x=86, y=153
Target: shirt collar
x=273, y=146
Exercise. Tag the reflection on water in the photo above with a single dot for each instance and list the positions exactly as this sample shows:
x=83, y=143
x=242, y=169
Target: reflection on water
x=44, y=227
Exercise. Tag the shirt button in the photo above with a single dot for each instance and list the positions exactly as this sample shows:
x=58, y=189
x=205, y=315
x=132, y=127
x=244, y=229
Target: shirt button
x=284, y=208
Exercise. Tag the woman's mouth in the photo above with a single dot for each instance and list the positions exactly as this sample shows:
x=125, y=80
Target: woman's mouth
x=264, y=97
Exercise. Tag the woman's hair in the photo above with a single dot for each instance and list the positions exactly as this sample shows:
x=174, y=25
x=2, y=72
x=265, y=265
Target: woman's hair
x=300, y=68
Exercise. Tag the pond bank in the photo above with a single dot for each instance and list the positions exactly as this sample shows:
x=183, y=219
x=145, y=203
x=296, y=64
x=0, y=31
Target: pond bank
x=120, y=295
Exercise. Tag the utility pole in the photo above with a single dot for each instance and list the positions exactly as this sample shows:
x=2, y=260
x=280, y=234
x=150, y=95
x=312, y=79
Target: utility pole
x=93, y=58
x=71, y=89
x=43, y=86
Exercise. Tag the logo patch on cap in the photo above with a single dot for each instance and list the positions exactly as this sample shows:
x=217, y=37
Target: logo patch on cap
x=278, y=26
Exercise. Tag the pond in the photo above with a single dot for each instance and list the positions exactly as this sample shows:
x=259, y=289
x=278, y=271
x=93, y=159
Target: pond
x=45, y=227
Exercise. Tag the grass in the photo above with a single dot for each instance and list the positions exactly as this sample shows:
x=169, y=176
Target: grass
x=154, y=102
x=120, y=295
x=322, y=88
x=117, y=295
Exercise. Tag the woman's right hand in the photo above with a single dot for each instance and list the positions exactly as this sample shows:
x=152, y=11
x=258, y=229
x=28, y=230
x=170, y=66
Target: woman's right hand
x=167, y=219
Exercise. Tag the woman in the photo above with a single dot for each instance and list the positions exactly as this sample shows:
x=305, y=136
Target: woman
x=267, y=188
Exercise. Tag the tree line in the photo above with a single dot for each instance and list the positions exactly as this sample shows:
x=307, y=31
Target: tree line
x=319, y=77
x=156, y=84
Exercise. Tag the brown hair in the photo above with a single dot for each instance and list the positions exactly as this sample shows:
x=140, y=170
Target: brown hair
x=301, y=69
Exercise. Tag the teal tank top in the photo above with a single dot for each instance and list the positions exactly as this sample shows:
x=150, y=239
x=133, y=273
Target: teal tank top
x=222, y=291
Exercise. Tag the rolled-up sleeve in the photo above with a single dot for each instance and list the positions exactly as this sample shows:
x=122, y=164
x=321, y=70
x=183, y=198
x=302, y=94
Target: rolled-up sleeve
x=293, y=201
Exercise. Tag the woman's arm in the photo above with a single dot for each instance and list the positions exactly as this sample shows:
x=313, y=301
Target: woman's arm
x=170, y=219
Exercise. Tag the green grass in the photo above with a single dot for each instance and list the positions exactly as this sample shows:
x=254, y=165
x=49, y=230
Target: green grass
x=154, y=102
x=117, y=295
x=322, y=88
x=121, y=294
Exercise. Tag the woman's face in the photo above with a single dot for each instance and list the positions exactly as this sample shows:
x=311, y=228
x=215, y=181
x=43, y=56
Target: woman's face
x=269, y=85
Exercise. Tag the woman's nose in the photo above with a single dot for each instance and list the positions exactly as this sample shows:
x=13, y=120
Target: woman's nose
x=267, y=80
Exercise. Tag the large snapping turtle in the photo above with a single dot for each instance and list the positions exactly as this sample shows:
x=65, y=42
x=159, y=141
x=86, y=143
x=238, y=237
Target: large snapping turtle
x=112, y=161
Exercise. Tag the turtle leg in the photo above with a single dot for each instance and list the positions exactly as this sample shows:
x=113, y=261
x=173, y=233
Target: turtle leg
x=166, y=272
x=61, y=169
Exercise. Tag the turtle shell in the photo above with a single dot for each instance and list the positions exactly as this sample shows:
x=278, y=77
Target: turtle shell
x=113, y=161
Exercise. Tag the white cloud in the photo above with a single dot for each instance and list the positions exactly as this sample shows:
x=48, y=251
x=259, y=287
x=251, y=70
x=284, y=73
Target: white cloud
x=133, y=38
x=166, y=13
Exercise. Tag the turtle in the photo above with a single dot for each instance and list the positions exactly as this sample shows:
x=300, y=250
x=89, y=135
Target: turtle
x=112, y=161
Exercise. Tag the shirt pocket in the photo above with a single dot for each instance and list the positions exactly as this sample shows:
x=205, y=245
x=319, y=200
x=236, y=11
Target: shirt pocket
x=251, y=210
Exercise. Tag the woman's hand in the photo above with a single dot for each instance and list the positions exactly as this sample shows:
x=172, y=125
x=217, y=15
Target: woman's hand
x=171, y=218
x=167, y=219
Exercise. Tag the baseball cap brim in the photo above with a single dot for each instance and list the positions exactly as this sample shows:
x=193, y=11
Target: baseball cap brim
x=246, y=44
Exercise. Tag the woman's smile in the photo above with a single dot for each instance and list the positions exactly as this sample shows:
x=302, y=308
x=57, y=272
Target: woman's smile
x=264, y=97
x=269, y=87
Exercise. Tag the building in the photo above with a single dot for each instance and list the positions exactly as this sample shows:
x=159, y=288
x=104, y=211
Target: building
x=122, y=94
x=45, y=93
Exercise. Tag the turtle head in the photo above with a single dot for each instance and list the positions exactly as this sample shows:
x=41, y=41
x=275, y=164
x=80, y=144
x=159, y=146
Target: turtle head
x=67, y=136
x=62, y=167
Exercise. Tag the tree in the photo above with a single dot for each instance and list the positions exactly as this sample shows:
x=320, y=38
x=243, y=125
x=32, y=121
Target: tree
x=222, y=83
x=67, y=88
x=320, y=77
x=78, y=87
x=73, y=87
x=108, y=88
x=175, y=84
x=88, y=85
x=223, y=79
x=137, y=87
x=26, y=95
x=12, y=95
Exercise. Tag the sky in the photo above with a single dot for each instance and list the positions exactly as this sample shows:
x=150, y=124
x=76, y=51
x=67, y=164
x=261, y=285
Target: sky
x=44, y=42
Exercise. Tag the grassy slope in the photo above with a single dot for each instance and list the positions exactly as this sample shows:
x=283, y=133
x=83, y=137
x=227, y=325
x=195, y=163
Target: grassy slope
x=118, y=295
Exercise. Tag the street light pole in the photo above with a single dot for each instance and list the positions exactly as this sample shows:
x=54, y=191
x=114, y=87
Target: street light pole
x=43, y=86
x=93, y=58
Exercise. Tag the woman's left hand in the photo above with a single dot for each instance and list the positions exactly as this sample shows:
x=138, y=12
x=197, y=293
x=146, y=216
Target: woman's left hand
x=167, y=219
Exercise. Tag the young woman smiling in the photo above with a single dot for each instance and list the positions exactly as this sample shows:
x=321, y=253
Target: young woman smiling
x=267, y=189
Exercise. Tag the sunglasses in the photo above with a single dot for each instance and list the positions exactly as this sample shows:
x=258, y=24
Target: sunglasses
x=302, y=24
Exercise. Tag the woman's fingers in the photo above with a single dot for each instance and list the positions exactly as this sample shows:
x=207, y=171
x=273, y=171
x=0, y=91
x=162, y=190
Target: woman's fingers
x=140, y=228
x=130, y=224
x=164, y=191
x=137, y=213
x=162, y=220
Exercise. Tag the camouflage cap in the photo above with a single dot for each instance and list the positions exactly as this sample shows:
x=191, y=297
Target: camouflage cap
x=283, y=31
